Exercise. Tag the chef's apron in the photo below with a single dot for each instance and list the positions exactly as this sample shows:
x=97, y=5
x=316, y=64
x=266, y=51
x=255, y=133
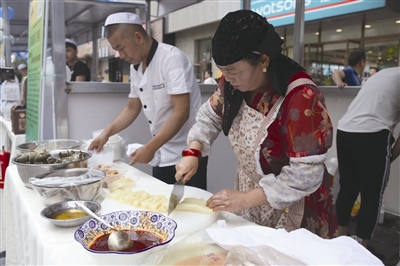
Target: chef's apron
x=248, y=131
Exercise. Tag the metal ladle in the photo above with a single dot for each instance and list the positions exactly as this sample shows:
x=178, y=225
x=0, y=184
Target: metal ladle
x=118, y=240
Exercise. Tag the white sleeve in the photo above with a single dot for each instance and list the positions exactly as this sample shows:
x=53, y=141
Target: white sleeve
x=300, y=178
x=207, y=128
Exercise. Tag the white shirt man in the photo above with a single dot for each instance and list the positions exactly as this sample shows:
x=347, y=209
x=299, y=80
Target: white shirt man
x=208, y=78
x=365, y=150
x=163, y=85
x=154, y=87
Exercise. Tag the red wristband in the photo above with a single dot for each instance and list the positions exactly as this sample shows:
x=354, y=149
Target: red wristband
x=192, y=152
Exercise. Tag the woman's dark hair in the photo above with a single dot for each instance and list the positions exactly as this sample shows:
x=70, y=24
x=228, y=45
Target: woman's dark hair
x=253, y=59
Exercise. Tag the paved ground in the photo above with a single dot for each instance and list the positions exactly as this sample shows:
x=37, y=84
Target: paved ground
x=385, y=242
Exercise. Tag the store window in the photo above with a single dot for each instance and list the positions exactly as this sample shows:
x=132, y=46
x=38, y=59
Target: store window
x=382, y=54
x=380, y=27
x=310, y=33
x=341, y=28
x=321, y=59
x=116, y=69
x=328, y=42
x=203, y=60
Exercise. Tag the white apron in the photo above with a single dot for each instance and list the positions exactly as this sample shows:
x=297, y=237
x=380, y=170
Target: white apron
x=248, y=131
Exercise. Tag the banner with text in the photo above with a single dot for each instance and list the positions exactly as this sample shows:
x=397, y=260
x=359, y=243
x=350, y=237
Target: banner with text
x=35, y=63
x=281, y=12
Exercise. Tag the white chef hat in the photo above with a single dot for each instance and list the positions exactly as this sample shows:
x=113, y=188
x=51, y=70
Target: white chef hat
x=123, y=18
x=70, y=41
x=21, y=66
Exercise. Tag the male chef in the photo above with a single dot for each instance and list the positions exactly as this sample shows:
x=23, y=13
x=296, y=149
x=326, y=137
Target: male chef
x=164, y=86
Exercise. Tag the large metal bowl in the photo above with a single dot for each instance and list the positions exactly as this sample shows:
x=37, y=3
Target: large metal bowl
x=27, y=146
x=50, y=213
x=87, y=189
x=51, y=144
x=26, y=171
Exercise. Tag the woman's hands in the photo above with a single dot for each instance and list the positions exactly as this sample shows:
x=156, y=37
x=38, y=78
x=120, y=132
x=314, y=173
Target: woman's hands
x=186, y=168
x=228, y=200
x=234, y=201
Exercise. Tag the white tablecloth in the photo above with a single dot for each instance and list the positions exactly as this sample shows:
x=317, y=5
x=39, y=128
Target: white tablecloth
x=31, y=240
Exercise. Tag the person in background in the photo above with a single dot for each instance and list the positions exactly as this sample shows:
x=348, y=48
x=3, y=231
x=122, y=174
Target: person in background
x=164, y=86
x=23, y=69
x=278, y=125
x=365, y=150
x=349, y=75
x=208, y=78
x=373, y=71
x=79, y=70
x=101, y=79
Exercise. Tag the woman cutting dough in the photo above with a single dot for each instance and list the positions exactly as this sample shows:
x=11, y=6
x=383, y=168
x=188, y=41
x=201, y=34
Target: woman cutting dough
x=278, y=125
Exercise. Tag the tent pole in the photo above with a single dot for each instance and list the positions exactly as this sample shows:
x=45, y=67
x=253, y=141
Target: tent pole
x=148, y=18
x=6, y=32
x=298, y=38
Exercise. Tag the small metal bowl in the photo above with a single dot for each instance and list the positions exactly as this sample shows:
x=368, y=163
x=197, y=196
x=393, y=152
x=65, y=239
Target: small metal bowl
x=88, y=189
x=51, y=212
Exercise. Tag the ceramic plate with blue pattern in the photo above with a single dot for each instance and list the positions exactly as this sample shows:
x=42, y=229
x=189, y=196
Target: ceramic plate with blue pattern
x=158, y=224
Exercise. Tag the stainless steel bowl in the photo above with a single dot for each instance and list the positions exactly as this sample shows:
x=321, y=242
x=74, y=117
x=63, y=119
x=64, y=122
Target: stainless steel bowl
x=84, y=190
x=26, y=171
x=51, y=144
x=51, y=212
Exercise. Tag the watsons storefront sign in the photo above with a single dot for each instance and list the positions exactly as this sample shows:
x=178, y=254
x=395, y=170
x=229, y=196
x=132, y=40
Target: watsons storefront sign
x=282, y=12
x=273, y=8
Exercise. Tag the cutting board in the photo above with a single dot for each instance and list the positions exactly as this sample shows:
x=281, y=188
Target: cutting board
x=188, y=222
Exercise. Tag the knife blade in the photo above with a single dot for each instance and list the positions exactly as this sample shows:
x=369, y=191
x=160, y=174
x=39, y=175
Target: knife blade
x=176, y=195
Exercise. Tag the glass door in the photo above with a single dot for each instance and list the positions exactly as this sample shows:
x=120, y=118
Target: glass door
x=203, y=58
x=313, y=60
x=321, y=59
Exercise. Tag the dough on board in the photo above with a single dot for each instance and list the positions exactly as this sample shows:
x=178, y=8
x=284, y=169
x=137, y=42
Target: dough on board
x=194, y=205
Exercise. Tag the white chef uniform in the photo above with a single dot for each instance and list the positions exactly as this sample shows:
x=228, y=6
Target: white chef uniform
x=169, y=72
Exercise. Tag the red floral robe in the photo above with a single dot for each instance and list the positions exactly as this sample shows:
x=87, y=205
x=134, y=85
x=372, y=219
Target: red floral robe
x=302, y=128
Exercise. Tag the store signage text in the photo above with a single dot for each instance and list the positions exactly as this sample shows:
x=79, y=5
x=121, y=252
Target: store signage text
x=272, y=8
x=282, y=12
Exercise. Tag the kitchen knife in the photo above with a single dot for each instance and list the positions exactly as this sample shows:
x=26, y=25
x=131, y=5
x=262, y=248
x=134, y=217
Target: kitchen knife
x=176, y=195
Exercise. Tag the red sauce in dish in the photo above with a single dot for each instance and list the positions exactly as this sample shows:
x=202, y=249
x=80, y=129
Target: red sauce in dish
x=141, y=240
